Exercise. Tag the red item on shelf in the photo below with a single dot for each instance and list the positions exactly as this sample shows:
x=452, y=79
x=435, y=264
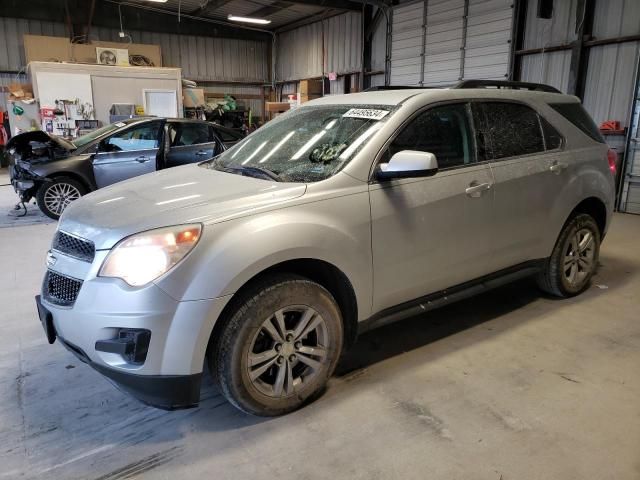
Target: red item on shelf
x=610, y=125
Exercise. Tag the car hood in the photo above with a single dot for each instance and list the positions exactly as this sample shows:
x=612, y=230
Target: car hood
x=38, y=147
x=175, y=196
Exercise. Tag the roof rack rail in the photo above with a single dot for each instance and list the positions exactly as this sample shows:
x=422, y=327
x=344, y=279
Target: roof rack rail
x=537, y=87
x=396, y=87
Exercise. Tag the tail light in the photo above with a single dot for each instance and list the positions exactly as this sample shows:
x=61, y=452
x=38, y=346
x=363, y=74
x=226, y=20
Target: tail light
x=612, y=158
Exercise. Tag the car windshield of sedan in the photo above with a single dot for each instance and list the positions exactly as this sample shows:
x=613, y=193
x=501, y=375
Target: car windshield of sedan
x=308, y=144
x=95, y=134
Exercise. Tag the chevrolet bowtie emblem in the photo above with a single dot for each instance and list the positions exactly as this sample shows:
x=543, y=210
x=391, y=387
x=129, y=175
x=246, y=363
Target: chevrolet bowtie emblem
x=51, y=260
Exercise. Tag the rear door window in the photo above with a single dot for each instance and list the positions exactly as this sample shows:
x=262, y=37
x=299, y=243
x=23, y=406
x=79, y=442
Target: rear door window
x=512, y=129
x=185, y=134
x=576, y=114
x=228, y=135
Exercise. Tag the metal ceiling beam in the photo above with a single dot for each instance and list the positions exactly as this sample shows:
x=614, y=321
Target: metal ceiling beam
x=335, y=4
x=316, y=17
x=268, y=10
x=209, y=6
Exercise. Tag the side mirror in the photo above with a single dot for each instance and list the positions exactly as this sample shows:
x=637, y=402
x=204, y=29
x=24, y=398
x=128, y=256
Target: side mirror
x=408, y=164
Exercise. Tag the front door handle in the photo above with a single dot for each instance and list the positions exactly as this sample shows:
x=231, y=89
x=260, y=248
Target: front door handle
x=202, y=153
x=476, y=189
x=142, y=159
x=558, y=167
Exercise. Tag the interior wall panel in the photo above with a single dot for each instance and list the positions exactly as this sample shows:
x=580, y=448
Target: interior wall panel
x=299, y=52
x=551, y=68
x=201, y=58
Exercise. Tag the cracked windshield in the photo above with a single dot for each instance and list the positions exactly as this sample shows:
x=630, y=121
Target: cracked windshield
x=307, y=145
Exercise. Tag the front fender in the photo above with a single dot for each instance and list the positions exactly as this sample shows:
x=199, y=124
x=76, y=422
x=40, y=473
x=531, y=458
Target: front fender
x=79, y=166
x=231, y=253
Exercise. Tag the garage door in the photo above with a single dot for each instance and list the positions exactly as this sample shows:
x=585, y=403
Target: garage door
x=460, y=39
x=630, y=198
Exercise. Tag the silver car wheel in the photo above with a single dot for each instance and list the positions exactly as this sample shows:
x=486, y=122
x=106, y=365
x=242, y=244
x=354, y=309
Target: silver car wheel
x=579, y=257
x=288, y=350
x=59, y=195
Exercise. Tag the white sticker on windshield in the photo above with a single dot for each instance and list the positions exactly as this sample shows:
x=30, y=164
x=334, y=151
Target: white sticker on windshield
x=120, y=124
x=367, y=113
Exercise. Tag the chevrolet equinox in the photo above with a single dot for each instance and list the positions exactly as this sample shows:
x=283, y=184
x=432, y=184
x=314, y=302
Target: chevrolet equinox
x=344, y=214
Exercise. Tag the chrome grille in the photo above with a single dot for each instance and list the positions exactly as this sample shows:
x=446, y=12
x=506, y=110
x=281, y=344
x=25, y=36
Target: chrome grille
x=74, y=247
x=59, y=289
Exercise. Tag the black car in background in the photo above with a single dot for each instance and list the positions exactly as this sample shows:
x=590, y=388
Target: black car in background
x=56, y=171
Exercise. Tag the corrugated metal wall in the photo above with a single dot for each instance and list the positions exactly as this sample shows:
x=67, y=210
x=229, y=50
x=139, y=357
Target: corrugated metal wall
x=379, y=46
x=551, y=68
x=459, y=39
x=299, y=51
x=201, y=58
x=608, y=87
x=609, y=82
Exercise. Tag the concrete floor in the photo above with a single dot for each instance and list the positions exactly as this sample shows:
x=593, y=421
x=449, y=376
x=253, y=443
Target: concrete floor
x=509, y=385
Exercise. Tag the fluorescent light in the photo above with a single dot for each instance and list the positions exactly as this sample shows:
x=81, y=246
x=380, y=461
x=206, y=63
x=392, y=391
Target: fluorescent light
x=157, y=1
x=277, y=147
x=312, y=141
x=261, y=21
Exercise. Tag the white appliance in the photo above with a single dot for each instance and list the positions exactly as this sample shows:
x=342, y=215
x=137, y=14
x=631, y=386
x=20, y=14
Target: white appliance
x=112, y=56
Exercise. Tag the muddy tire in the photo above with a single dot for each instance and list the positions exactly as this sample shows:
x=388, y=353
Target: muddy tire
x=574, y=259
x=278, y=348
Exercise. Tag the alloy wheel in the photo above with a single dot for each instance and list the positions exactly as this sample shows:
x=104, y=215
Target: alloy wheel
x=59, y=195
x=288, y=350
x=579, y=257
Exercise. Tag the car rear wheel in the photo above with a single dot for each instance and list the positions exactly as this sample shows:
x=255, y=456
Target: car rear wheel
x=279, y=347
x=56, y=195
x=574, y=259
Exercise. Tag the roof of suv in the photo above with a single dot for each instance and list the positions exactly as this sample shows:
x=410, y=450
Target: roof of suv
x=397, y=97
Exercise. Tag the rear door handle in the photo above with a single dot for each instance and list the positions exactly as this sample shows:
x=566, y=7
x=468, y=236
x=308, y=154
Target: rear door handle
x=476, y=189
x=558, y=167
x=142, y=159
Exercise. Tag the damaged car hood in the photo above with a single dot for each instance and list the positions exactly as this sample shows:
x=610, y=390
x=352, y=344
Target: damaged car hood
x=38, y=146
x=179, y=195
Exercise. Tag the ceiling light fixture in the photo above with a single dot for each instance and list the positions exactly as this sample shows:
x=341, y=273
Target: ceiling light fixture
x=260, y=21
x=157, y=1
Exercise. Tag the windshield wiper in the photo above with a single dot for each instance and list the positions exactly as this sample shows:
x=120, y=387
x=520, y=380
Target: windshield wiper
x=264, y=172
x=251, y=171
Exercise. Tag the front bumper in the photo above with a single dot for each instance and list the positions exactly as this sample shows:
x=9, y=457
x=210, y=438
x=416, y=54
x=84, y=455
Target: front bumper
x=169, y=377
x=168, y=392
x=24, y=183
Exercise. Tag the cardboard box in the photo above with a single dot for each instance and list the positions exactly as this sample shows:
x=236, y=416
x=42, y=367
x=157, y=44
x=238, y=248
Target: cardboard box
x=311, y=87
x=193, y=97
x=277, y=106
x=306, y=98
x=40, y=48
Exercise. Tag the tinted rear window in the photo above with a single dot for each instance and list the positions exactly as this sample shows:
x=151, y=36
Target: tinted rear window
x=228, y=135
x=576, y=114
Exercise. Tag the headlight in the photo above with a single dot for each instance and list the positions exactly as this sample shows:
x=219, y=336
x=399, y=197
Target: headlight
x=143, y=257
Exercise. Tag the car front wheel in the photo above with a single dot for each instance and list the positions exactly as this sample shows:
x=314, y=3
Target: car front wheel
x=279, y=347
x=56, y=194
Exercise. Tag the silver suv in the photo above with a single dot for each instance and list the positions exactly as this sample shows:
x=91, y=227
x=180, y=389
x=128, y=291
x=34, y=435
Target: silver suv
x=344, y=214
